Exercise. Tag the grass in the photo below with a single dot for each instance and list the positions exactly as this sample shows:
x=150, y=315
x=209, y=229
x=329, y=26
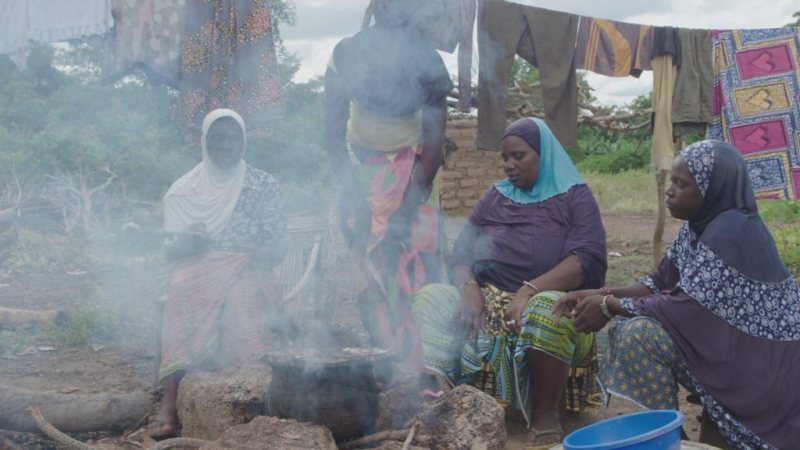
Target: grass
x=86, y=324
x=40, y=253
x=625, y=193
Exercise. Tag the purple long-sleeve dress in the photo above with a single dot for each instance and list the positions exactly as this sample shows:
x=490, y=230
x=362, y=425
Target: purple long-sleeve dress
x=505, y=243
x=754, y=379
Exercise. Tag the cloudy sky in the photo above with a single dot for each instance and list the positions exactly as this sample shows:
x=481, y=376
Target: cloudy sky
x=322, y=23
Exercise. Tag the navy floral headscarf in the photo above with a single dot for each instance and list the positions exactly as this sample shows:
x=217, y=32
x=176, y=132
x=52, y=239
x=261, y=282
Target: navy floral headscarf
x=727, y=258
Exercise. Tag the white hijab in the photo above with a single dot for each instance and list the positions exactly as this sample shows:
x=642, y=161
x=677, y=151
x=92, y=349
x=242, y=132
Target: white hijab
x=206, y=194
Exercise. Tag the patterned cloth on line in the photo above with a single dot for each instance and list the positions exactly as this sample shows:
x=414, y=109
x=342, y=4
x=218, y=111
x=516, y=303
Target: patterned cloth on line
x=228, y=60
x=643, y=366
x=756, y=92
x=496, y=362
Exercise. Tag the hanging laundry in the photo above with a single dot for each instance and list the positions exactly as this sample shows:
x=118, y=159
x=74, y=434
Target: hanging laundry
x=545, y=39
x=666, y=48
x=447, y=24
x=49, y=21
x=666, y=41
x=663, y=151
x=614, y=49
x=14, y=31
x=756, y=90
x=693, y=98
x=228, y=60
x=147, y=36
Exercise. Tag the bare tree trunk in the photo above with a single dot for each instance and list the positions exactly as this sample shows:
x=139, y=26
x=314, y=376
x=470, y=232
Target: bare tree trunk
x=10, y=318
x=72, y=412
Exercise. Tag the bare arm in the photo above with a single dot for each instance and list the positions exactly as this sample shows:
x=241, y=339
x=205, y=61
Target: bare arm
x=336, y=109
x=434, y=121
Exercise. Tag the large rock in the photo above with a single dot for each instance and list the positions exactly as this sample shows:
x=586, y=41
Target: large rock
x=209, y=403
x=274, y=434
x=464, y=419
x=398, y=405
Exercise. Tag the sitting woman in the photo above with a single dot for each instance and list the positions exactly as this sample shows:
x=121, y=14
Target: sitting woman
x=229, y=221
x=720, y=315
x=534, y=234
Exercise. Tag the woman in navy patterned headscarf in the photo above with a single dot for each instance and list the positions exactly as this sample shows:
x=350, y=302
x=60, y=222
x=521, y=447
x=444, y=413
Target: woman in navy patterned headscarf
x=720, y=315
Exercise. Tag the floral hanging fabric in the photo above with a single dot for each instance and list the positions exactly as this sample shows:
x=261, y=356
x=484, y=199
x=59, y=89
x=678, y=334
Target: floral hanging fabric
x=228, y=60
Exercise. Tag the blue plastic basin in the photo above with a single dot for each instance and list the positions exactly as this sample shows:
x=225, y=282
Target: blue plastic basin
x=648, y=430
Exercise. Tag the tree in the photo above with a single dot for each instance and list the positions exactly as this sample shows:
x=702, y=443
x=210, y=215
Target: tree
x=796, y=23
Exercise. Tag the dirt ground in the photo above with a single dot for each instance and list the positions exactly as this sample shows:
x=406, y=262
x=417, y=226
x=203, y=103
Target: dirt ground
x=123, y=289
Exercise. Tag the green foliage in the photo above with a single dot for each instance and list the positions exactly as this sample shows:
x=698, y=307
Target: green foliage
x=615, y=156
x=53, y=121
x=783, y=218
x=86, y=325
x=39, y=253
x=56, y=117
x=796, y=23
x=787, y=240
x=312, y=199
x=293, y=152
x=783, y=211
x=630, y=192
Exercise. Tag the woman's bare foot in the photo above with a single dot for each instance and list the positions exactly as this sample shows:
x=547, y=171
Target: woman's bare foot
x=545, y=431
x=165, y=424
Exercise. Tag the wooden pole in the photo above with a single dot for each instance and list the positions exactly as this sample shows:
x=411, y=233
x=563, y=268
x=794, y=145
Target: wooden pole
x=658, y=234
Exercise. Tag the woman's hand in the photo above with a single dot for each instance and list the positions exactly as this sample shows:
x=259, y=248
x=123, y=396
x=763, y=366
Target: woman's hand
x=470, y=315
x=565, y=306
x=513, y=314
x=354, y=205
x=192, y=241
x=588, y=316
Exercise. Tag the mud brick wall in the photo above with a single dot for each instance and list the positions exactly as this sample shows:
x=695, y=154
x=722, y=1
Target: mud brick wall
x=468, y=171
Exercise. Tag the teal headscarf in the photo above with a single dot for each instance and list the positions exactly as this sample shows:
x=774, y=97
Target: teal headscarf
x=557, y=174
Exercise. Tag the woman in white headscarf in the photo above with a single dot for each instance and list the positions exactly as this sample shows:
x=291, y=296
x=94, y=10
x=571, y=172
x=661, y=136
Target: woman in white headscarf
x=229, y=223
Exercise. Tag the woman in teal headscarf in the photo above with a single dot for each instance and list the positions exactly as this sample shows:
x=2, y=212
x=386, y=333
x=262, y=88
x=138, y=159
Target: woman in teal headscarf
x=530, y=237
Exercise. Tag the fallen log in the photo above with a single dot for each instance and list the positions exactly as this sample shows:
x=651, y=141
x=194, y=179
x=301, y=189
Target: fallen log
x=10, y=318
x=72, y=412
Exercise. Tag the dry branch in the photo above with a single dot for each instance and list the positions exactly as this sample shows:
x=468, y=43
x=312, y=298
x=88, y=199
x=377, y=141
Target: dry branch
x=387, y=435
x=11, y=318
x=56, y=435
x=72, y=412
x=53, y=433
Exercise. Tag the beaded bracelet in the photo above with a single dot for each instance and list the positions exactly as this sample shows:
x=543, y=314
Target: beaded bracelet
x=532, y=286
x=468, y=283
x=604, y=308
